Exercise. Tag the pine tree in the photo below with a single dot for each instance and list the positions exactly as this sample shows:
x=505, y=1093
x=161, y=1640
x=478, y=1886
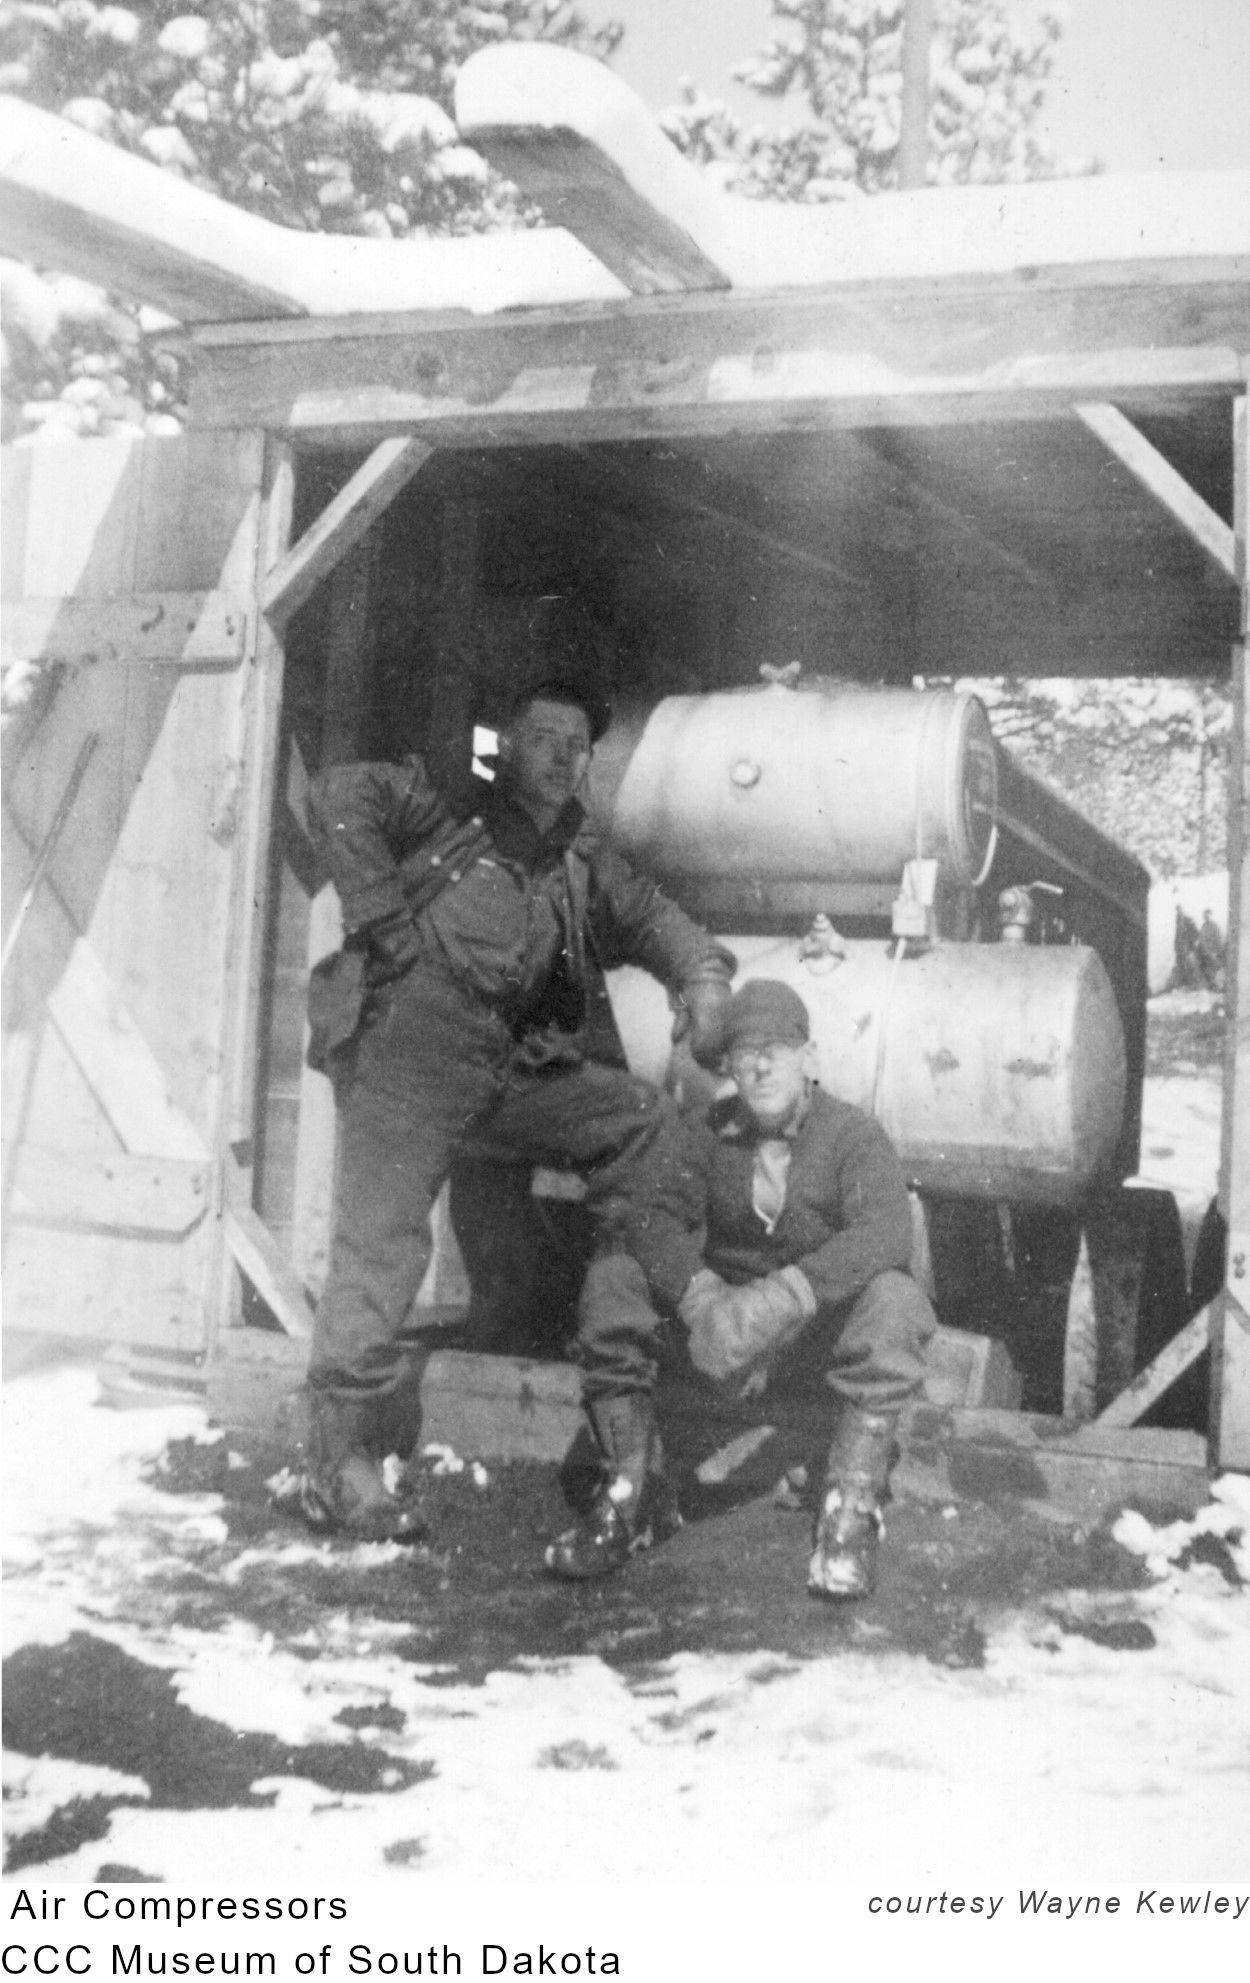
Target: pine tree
x=842, y=61
x=329, y=115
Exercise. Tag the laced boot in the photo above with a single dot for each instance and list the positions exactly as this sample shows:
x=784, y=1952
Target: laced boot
x=344, y=1490
x=849, y=1522
x=632, y=1506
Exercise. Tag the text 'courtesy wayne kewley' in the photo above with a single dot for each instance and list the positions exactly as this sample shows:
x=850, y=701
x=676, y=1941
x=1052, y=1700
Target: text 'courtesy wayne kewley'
x=1063, y=1906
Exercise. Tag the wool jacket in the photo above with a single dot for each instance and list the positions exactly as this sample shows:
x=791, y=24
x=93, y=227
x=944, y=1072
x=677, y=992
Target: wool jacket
x=846, y=1217
x=507, y=909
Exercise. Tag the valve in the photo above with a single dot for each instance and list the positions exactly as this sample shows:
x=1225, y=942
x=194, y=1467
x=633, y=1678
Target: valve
x=913, y=916
x=1022, y=918
x=823, y=948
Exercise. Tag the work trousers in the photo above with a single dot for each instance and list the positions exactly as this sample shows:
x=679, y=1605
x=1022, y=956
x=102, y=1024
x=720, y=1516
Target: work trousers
x=868, y=1351
x=431, y=1066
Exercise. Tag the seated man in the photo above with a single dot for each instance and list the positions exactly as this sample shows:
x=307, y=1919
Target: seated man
x=782, y=1246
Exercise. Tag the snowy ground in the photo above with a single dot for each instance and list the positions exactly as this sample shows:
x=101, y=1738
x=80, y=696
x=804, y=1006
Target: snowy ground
x=1099, y=1738
x=1112, y=1762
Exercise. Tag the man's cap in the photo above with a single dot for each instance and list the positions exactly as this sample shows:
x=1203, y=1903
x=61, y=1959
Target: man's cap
x=765, y=1010
x=567, y=688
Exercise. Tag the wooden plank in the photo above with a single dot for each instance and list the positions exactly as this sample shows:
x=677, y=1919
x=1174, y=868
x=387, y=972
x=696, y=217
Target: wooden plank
x=679, y=492
x=253, y=1248
x=82, y=501
x=507, y=1408
x=1156, y=474
x=119, y=1193
x=199, y=499
x=106, y=1286
x=1090, y=1471
x=14, y=512
x=112, y=1054
x=1034, y=227
x=556, y=406
x=251, y=883
x=350, y=646
x=312, y=1190
x=185, y=629
x=909, y=490
x=580, y=187
x=1163, y=1370
x=250, y=880
x=117, y=1062
x=728, y=361
x=1230, y=1334
x=75, y=202
x=72, y=202
x=343, y=522
x=1129, y=1279
x=132, y=926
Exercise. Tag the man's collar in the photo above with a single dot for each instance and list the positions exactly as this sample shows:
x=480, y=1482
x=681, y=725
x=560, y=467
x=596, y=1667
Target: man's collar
x=515, y=833
x=734, y=1122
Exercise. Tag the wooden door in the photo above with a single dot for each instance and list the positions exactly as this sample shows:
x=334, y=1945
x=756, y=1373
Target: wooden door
x=129, y=578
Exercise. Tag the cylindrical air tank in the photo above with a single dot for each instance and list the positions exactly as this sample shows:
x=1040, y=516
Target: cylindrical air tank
x=827, y=781
x=997, y=1069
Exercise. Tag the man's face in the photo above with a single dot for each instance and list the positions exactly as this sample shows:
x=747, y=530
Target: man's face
x=773, y=1078
x=548, y=756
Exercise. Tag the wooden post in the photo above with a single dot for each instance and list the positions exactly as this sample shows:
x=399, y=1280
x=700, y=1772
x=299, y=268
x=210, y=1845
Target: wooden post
x=258, y=751
x=349, y=662
x=913, y=142
x=1230, y=1330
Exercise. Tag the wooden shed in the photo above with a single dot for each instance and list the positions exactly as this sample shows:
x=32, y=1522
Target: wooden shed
x=979, y=431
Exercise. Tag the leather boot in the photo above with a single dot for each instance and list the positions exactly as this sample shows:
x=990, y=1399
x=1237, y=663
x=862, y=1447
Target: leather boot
x=849, y=1521
x=632, y=1506
x=344, y=1491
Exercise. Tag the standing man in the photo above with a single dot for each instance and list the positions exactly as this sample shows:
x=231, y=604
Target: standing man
x=475, y=947
x=801, y=1279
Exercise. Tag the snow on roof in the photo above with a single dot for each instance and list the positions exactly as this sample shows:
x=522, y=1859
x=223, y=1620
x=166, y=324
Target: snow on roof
x=88, y=207
x=946, y=232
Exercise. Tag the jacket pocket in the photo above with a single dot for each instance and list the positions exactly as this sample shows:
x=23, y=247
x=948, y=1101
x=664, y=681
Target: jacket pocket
x=336, y=1002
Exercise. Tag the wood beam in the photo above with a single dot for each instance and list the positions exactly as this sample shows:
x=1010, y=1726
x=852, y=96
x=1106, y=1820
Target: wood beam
x=255, y=1252
x=507, y=1408
x=104, y=1041
x=251, y=884
x=115, y=1192
x=1135, y=1400
x=1033, y=227
x=672, y=492
x=74, y=203
x=1157, y=475
x=579, y=187
x=1230, y=1334
x=724, y=362
x=342, y=524
x=911, y=489
x=175, y=629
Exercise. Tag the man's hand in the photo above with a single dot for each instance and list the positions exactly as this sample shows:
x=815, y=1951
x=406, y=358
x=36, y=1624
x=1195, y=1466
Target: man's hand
x=394, y=946
x=700, y=1019
x=734, y=1333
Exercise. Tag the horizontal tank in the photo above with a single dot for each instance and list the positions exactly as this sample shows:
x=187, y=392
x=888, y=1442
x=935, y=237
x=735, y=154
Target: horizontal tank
x=827, y=781
x=997, y=1069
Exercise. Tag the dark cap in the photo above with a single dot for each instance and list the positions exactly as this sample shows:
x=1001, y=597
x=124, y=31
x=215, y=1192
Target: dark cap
x=764, y=1010
x=567, y=688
